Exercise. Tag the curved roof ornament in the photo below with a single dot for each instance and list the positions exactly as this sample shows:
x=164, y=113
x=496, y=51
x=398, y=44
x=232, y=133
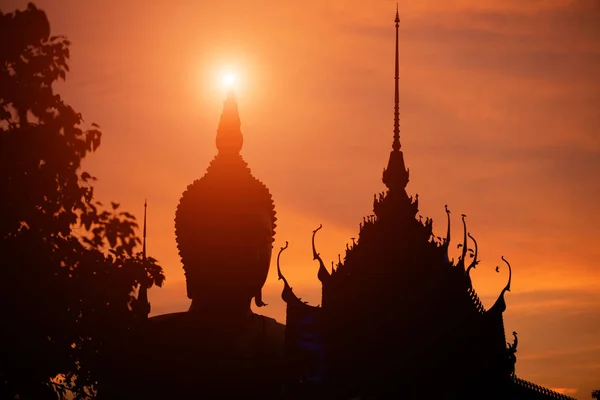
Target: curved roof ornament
x=513, y=347
x=512, y=353
x=446, y=243
x=475, y=261
x=500, y=304
x=287, y=294
x=279, y=274
x=461, y=259
x=323, y=274
x=507, y=287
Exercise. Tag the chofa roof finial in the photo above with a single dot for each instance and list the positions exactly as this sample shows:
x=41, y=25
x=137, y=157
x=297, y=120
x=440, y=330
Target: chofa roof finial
x=507, y=287
x=279, y=274
x=323, y=274
x=500, y=304
x=461, y=259
x=475, y=261
x=287, y=294
x=446, y=241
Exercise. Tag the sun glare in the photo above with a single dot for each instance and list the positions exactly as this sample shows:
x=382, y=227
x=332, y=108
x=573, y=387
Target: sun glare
x=228, y=80
x=220, y=78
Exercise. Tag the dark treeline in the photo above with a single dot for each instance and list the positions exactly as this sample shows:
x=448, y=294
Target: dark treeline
x=70, y=267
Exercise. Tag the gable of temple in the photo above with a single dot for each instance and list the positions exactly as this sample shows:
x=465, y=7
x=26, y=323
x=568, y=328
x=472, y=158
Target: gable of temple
x=398, y=316
x=402, y=305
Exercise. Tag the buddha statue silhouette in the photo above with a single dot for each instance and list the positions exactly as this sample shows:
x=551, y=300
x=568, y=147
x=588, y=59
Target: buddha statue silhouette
x=224, y=227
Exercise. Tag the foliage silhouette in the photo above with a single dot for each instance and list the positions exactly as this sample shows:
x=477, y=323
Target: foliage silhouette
x=69, y=268
x=596, y=394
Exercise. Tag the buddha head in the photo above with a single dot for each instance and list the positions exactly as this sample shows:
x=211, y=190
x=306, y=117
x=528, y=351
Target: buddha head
x=225, y=223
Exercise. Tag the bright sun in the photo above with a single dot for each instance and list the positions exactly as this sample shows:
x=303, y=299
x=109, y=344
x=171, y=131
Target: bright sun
x=228, y=79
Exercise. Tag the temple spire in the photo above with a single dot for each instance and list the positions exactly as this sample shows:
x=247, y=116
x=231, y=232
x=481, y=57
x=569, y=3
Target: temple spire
x=143, y=292
x=395, y=176
x=229, y=135
x=396, y=143
x=144, y=242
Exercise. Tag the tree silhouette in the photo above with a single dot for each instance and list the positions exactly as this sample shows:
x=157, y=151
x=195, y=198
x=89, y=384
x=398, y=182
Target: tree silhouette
x=596, y=394
x=69, y=269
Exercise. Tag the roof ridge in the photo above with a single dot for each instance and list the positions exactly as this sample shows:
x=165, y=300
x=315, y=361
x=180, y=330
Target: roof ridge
x=540, y=389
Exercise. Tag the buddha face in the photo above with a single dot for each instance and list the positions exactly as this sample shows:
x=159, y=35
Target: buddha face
x=231, y=261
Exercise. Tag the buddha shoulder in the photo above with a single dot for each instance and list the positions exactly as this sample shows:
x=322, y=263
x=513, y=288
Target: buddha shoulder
x=258, y=328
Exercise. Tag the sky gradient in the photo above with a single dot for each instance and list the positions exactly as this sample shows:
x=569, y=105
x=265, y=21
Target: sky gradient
x=499, y=113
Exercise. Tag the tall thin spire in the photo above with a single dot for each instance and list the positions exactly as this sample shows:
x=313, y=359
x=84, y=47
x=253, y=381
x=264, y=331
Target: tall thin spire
x=396, y=143
x=144, y=242
x=143, y=292
x=395, y=176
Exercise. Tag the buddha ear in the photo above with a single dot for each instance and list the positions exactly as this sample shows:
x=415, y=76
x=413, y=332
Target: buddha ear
x=258, y=299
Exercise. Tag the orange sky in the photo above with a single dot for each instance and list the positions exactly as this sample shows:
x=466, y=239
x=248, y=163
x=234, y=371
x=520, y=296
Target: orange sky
x=499, y=109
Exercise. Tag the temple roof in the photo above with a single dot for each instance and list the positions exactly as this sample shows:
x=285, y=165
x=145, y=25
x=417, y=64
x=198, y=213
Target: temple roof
x=526, y=390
